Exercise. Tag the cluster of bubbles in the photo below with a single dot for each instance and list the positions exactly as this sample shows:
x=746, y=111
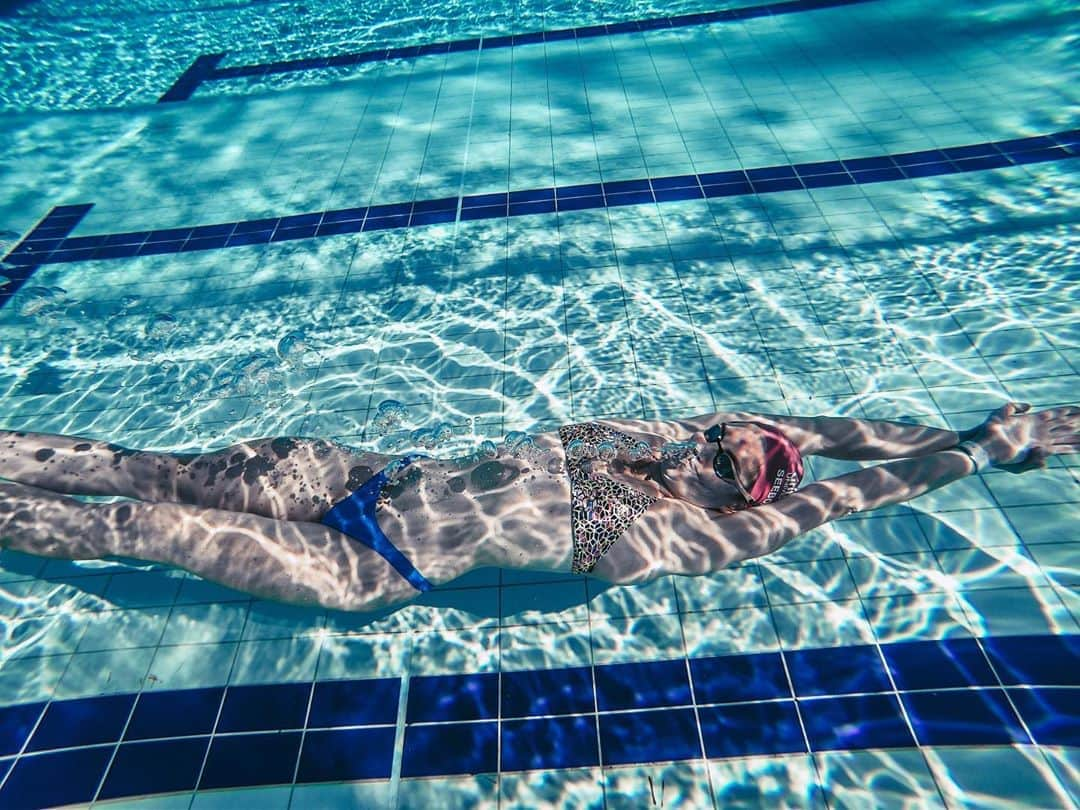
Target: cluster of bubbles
x=42, y=301
x=297, y=351
x=392, y=416
x=389, y=416
x=624, y=448
x=428, y=438
x=678, y=452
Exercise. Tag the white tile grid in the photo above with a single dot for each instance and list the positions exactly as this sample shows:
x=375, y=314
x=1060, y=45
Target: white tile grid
x=650, y=651
x=254, y=168
x=786, y=263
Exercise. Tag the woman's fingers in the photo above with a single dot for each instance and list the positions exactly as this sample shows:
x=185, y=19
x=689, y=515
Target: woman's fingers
x=1034, y=459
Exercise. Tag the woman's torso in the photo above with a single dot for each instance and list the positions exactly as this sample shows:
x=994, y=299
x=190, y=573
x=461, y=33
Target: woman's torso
x=450, y=515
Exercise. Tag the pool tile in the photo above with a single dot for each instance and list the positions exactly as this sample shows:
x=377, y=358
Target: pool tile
x=968, y=717
x=837, y=671
x=864, y=721
x=250, y=798
x=251, y=759
x=892, y=778
x=16, y=723
x=1013, y=776
x=1036, y=660
x=155, y=767
x=82, y=722
x=354, y=703
x=750, y=729
x=175, y=713
x=453, y=697
x=554, y=742
x=789, y=781
x=734, y=678
x=649, y=736
x=344, y=755
x=547, y=692
x=642, y=685
x=257, y=708
x=450, y=748
x=942, y=664
x=1052, y=715
x=33, y=781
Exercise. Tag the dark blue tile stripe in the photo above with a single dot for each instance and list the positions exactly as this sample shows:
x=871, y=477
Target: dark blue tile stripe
x=48, y=243
x=25, y=258
x=642, y=712
x=204, y=68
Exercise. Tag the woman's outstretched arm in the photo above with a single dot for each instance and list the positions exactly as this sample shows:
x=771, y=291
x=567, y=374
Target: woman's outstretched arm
x=845, y=438
x=685, y=539
x=1011, y=438
x=764, y=529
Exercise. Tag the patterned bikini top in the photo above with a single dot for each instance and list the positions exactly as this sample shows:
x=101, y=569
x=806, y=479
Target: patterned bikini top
x=601, y=508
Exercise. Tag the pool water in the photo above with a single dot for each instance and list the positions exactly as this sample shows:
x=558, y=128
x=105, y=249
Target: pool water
x=864, y=209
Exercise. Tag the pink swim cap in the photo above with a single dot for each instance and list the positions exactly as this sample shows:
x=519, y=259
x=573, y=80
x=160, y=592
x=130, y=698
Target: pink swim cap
x=783, y=468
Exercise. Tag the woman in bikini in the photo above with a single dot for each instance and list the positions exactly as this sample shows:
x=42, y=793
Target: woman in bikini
x=312, y=522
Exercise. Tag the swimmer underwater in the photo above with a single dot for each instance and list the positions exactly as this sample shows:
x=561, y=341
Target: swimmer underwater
x=311, y=522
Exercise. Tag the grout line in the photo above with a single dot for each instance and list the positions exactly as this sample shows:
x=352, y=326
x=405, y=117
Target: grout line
x=399, y=729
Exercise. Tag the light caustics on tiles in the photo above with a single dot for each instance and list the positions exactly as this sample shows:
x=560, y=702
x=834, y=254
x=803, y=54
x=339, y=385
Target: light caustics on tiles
x=958, y=691
x=205, y=68
x=49, y=242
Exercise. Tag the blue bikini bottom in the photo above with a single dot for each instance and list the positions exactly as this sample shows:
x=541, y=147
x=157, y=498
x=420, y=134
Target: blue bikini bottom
x=355, y=516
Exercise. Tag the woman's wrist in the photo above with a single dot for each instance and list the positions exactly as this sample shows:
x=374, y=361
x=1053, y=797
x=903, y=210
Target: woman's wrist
x=980, y=458
x=968, y=435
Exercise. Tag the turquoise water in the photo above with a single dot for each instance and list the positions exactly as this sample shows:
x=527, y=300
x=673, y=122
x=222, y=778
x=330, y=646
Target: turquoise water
x=931, y=300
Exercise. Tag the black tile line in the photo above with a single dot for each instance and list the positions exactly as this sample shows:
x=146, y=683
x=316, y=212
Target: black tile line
x=1052, y=652
x=205, y=69
x=49, y=244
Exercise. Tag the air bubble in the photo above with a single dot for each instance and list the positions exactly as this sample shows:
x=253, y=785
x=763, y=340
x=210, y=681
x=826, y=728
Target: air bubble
x=639, y=451
x=295, y=350
x=514, y=439
x=575, y=450
x=678, y=452
x=606, y=451
x=388, y=415
x=423, y=437
x=526, y=449
x=555, y=466
x=395, y=469
x=487, y=449
x=40, y=300
x=159, y=326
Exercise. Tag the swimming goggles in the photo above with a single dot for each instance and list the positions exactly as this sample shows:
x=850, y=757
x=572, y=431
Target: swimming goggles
x=723, y=462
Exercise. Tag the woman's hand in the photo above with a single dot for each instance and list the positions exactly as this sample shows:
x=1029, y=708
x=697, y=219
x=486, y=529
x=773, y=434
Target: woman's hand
x=1017, y=440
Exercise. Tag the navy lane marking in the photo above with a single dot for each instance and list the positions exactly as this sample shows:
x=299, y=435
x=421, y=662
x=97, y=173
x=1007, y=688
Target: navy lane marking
x=48, y=234
x=204, y=68
x=959, y=691
x=201, y=70
x=48, y=243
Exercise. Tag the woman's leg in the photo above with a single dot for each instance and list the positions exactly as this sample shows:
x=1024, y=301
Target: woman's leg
x=301, y=563
x=288, y=479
